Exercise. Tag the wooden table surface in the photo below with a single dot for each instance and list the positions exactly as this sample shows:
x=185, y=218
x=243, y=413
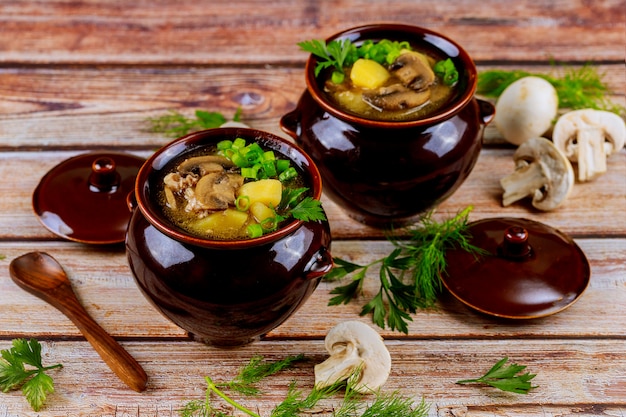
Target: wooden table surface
x=78, y=76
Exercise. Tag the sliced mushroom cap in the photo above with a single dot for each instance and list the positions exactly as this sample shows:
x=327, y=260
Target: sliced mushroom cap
x=396, y=97
x=413, y=70
x=204, y=164
x=541, y=172
x=356, y=351
x=216, y=190
x=588, y=137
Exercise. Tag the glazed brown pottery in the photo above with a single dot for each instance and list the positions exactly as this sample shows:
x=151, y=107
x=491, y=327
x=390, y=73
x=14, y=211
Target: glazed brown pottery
x=385, y=172
x=83, y=199
x=529, y=270
x=225, y=293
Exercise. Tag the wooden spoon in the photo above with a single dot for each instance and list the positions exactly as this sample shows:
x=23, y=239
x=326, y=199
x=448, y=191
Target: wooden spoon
x=41, y=275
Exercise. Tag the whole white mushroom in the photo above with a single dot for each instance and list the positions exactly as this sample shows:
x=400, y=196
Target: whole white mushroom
x=526, y=109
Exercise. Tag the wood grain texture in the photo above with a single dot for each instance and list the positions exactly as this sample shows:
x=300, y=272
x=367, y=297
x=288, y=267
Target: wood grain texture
x=430, y=369
x=258, y=32
x=105, y=286
x=109, y=106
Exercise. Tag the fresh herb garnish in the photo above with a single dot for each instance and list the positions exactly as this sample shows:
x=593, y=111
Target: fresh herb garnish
x=175, y=124
x=420, y=260
x=305, y=209
x=296, y=403
x=336, y=54
x=255, y=371
x=340, y=54
x=446, y=70
x=505, y=379
x=580, y=88
x=35, y=383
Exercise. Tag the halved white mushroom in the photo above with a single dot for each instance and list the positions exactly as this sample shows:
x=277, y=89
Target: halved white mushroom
x=588, y=137
x=541, y=172
x=356, y=351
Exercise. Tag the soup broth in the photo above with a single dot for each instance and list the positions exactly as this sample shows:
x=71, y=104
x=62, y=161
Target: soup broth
x=207, y=194
x=408, y=88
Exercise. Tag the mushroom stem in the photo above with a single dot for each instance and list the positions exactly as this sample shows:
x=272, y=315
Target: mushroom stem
x=591, y=153
x=523, y=182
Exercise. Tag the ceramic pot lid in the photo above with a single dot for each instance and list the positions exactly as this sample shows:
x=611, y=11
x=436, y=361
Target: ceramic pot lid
x=84, y=198
x=531, y=269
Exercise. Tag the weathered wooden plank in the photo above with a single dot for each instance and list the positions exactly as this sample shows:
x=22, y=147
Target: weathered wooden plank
x=583, y=214
x=210, y=32
x=577, y=375
x=104, y=284
x=96, y=107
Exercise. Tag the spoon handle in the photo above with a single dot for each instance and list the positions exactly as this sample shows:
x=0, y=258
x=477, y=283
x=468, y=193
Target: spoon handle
x=115, y=356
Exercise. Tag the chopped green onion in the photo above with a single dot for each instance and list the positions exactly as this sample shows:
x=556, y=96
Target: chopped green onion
x=242, y=203
x=250, y=172
x=239, y=160
x=288, y=174
x=282, y=164
x=255, y=230
x=238, y=143
x=270, y=168
x=269, y=223
x=269, y=156
x=224, y=144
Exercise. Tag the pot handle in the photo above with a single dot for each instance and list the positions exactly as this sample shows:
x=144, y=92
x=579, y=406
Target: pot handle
x=290, y=123
x=320, y=264
x=131, y=201
x=487, y=111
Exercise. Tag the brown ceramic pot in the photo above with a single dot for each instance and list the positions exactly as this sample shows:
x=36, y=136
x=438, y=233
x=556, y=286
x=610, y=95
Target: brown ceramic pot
x=384, y=172
x=225, y=293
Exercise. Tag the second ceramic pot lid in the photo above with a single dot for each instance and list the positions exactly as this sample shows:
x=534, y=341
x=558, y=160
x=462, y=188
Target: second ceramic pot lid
x=84, y=198
x=530, y=269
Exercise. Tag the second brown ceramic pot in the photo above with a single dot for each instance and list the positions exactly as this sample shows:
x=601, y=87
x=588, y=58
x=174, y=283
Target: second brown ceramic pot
x=388, y=173
x=225, y=293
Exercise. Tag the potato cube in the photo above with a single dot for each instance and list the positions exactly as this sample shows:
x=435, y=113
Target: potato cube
x=367, y=73
x=267, y=191
x=228, y=223
x=261, y=212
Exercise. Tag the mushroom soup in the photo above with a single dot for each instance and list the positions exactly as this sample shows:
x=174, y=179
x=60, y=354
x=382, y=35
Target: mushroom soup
x=232, y=191
x=391, y=81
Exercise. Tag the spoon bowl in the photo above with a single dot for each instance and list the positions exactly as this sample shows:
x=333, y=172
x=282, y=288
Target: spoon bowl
x=41, y=275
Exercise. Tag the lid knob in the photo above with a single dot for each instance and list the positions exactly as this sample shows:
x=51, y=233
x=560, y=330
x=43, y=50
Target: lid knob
x=104, y=177
x=515, y=244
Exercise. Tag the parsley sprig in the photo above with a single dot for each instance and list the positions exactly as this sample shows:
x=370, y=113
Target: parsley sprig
x=410, y=275
x=175, y=124
x=34, y=381
x=294, y=205
x=505, y=378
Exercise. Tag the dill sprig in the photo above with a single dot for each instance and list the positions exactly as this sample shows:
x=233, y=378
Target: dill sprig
x=256, y=370
x=297, y=403
x=410, y=276
x=174, y=124
x=577, y=88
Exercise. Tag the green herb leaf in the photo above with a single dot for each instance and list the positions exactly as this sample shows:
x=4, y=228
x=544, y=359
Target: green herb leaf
x=446, y=70
x=505, y=378
x=296, y=403
x=335, y=54
x=580, y=88
x=174, y=124
x=35, y=383
x=256, y=370
x=410, y=276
